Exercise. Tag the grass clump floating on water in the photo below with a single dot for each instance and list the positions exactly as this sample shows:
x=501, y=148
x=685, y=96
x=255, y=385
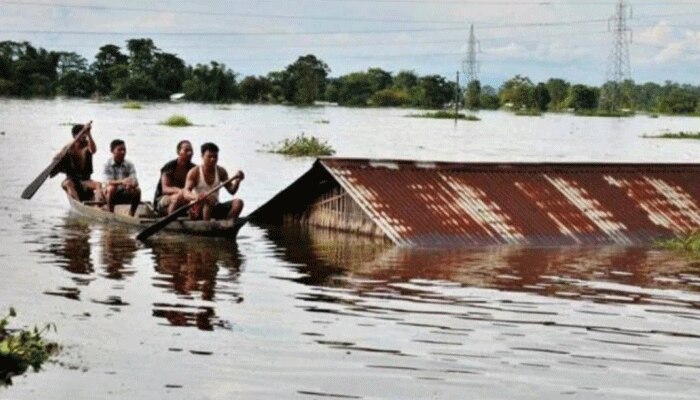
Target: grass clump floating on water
x=21, y=349
x=177, y=120
x=446, y=115
x=302, y=146
x=528, y=113
x=604, y=113
x=690, y=243
x=132, y=105
x=676, y=135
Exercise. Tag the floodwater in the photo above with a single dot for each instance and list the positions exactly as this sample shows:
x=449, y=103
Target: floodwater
x=295, y=313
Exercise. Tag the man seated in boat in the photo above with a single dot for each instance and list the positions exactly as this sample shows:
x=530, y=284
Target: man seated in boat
x=204, y=178
x=170, y=191
x=121, y=184
x=77, y=165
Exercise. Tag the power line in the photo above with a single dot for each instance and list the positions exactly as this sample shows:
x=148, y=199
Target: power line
x=226, y=14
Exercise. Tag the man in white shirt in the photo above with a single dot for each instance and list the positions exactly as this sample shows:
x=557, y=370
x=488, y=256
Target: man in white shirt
x=121, y=185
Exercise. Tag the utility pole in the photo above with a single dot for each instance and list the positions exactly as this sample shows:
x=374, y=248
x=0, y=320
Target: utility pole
x=470, y=66
x=619, y=60
x=457, y=98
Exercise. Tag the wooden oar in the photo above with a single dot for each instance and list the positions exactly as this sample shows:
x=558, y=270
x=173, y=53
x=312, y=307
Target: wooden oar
x=39, y=180
x=163, y=222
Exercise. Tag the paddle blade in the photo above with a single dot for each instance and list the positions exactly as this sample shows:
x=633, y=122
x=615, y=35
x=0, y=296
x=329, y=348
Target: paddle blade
x=158, y=225
x=39, y=180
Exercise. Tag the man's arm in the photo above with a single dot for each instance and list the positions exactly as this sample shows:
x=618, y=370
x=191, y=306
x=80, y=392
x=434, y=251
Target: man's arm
x=190, y=183
x=131, y=179
x=232, y=187
x=91, y=142
x=167, y=184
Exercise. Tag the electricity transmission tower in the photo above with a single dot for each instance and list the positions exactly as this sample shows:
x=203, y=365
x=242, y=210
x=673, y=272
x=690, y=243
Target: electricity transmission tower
x=470, y=67
x=619, y=60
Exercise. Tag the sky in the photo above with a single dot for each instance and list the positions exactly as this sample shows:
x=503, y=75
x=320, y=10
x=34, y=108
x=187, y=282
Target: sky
x=540, y=39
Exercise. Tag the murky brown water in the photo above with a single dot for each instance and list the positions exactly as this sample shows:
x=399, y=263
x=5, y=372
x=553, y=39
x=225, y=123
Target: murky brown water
x=313, y=314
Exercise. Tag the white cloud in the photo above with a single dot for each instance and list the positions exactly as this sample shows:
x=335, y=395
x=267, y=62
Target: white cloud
x=655, y=35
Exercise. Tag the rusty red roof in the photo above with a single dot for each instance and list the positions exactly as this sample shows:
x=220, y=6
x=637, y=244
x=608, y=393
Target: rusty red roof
x=431, y=204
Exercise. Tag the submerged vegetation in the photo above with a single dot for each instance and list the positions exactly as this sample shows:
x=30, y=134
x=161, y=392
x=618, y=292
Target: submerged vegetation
x=177, y=121
x=301, y=146
x=604, y=113
x=676, y=135
x=446, y=115
x=690, y=243
x=528, y=113
x=21, y=349
x=132, y=105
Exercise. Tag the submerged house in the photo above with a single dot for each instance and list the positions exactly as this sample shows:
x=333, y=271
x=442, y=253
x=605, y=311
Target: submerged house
x=443, y=204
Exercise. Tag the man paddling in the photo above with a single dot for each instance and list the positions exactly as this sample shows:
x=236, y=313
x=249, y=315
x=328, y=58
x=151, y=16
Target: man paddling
x=207, y=176
x=170, y=191
x=77, y=165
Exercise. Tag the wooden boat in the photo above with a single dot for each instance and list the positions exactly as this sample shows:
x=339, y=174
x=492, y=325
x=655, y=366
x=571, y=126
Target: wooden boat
x=145, y=216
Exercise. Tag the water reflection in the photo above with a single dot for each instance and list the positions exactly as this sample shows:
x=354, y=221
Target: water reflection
x=195, y=269
x=600, y=274
x=69, y=244
x=118, y=251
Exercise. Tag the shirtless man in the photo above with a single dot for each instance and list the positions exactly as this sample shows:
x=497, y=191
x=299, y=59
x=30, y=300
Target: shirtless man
x=170, y=193
x=205, y=177
x=77, y=165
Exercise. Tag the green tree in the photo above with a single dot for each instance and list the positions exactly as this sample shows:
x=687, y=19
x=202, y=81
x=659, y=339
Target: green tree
x=211, y=83
x=473, y=98
x=355, y=89
x=109, y=67
x=646, y=96
x=541, y=96
x=28, y=71
x=406, y=80
x=558, y=90
x=307, y=76
x=489, y=99
x=255, y=89
x=74, y=78
x=379, y=79
x=435, y=91
x=169, y=71
x=678, y=100
x=518, y=92
x=582, y=97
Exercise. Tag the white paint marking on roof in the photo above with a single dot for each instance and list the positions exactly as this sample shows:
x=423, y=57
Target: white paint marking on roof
x=591, y=208
x=384, y=164
x=484, y=211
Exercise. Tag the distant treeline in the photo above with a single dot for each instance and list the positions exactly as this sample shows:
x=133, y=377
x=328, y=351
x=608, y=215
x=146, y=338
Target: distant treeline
x=144, y=72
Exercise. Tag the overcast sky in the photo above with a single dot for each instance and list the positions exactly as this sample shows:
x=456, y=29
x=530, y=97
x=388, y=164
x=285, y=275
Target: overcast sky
x=536, y=38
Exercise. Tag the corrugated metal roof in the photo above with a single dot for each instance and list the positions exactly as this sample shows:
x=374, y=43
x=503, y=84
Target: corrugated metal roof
x=431, y=204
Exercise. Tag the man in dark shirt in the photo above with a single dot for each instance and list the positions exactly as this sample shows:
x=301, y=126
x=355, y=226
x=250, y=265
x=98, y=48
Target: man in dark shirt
x=169, y=194
x=77, y=165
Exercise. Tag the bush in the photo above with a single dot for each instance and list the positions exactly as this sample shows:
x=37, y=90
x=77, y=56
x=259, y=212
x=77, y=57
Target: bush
x=446, y=115
x=678, y=135
x=302, y=146
x=21, y=349
x=132, y=105
x=177, y=121
x=528, y=113
x=690, y=244
x=390, y=98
